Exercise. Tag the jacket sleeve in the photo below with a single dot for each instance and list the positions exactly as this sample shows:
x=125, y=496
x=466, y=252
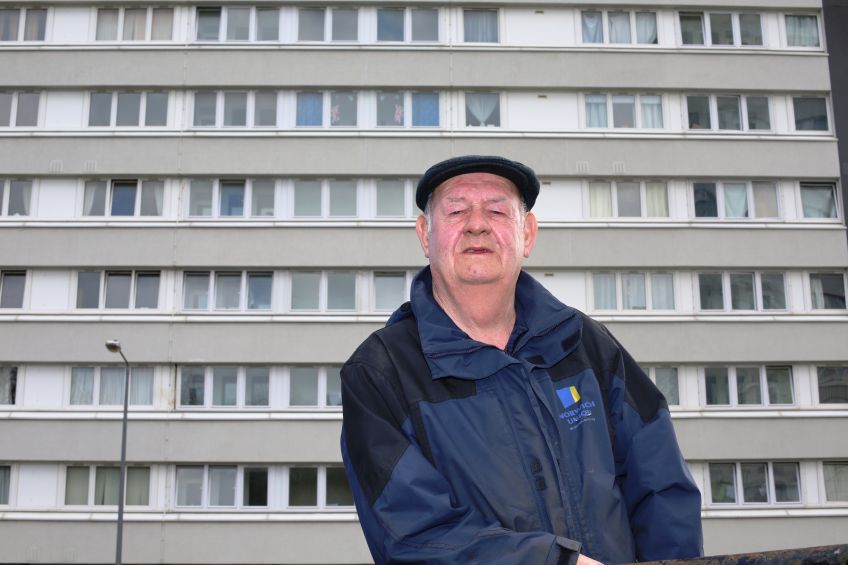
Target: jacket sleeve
x=663, y=503
x=406, y=507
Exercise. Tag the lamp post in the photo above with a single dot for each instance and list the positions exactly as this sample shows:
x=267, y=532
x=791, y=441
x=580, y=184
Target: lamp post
x=114, y=346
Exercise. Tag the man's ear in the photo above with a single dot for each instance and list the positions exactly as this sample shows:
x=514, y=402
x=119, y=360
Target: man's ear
x=423, y=236
x=531, y=230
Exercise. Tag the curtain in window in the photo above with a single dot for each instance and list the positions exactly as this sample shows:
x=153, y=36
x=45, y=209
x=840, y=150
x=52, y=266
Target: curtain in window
x=163, y=23
x=483, y=108
x=112, y=385
x=652, y=116
x=106, y=486
x=138, y=486
x=656, y=198
x=107, y=24
x=802, y=31
x=8, y=384
x=20, y=193
x=94, y=199
x=82, y=385
x=619, y=27
x=817, y=292
x=9, y=19
x=668, y=384
x=662, y=291
x=596, y=111
x=135, y=22
x=5, y=479
x=735, y=200
x=646, y=27
x=593, y=31
x=633, y=291
x=818, y=201
x=480, y=26
x=600, y=200
x=779, y=381
x=309, y=108
x=765, y=199
x=836, y=481
x=141, y=386
x=76, y=485
x=222, y=486
x=604, y=290
x=152, y=195
x=36, y=22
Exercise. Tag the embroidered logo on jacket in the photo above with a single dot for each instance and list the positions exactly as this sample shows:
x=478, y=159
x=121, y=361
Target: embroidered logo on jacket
x=576, y=412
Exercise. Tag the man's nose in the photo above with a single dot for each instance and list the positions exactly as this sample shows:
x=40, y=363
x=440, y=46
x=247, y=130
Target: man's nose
x=477, y=221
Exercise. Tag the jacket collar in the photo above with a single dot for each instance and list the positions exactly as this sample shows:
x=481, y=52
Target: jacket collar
x=449, y=351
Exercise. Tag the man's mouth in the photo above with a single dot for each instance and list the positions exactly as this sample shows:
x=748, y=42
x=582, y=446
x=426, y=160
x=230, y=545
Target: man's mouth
x=477, y=250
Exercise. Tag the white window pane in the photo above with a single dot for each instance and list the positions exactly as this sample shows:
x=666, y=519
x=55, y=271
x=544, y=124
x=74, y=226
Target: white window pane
x=152, y=196
x=633, y=291
x=818, y=200
x=619, y=27
x=668, y=384
x=112, y=386
x=836, y=481
x=600, y=200
x=592, y=24
x=204, y=108
x=305, y=289
x=227, y=291
x=310, y=24
x=189, y=485
x=389, y=290
x=723, y=482
x=100, y=109
x=107, y=24
x=231, y=198
x=728, y=112
x=259, y=291
x=267, y=24
x=196, y=291
x=342, y=198
x=224, y=386
x=265, y=113
x=303, y=386
x=754, y=482
x=802, y=31
x=656, y=199
x=303, y=486
x=341, y=291
x=342, y=108
x=338, y=489
x=692, y=28
x=345, y=24
x=604, y=291
x=758, y=112
x=334, y=387
x=779, y=381
x=480, y=26
x=646, y=27
x=141, y=386
x=751, y=29
x=255, y=487
x=118, y=289
x=192, y=386
x=425, y=24
x=307, y=198
x=735, y=200
x=200, y=198
x=88, y=289
x=262, y=198
x=662, y=291
x=163, y=24
x=156, y=109
x=138, y=486
x=82, y=385
x=623, y=111
x=717, y=386
x=596, y=111
x=391, y=198
x=774, y=293
x=652, y=115
x=135, y=23
x=765, y=199
x=256, y=389
x=76, y=486
x=238, y=24
x=390, y=24
x=629, y=199
x=742, y=291
x=208, y=24
x=748, y=389
x=721, y=29
x=482, y=109
x=235, y=109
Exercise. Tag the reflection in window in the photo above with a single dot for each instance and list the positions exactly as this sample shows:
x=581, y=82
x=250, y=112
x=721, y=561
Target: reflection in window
x=827, y=291
x=832, y=385
x=836, y=481
x=818, y=200
x=810, y=113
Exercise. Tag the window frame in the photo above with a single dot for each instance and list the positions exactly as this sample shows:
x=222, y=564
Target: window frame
x=321, y=389
x=321, y=490
x=92, y=481
x=407, y=281
x=220, y=109
x=119, y=31
x=619, y=292
x=211, y=291
x=11, y=494
x=500, y=110
x=113, y=109
x=241, y=389
x=323, y=293
x=22, y=17
x=828, y=115
x=733, y=388
x=714, y=117
x=822, y=484
x=238, y=491
x=498, y=21
x=223, y=22
x=26, y=290
x=95, y=395
x=609, y=104
x=736, y=29
x=721, y=209
x=409, y=206
x=739, y=490
x=651, y=371
x=784, y=40
x=837, y=201
x=107, y=202
x=134, y=274
x=808, y=283
x=613, y=185
x=407, y=26
x=408, y=110
x=631, y=12
x=727, y=299
x=13, y=110
x=6, y=196
x=326, y=199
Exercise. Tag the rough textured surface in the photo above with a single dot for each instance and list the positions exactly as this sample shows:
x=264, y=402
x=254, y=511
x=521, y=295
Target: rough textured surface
x=825, y=555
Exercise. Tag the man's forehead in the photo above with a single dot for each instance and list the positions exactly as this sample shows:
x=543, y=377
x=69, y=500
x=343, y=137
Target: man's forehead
x=463, y=187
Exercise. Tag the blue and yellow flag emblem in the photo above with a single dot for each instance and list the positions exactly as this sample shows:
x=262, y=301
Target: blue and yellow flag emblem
x=568, y=396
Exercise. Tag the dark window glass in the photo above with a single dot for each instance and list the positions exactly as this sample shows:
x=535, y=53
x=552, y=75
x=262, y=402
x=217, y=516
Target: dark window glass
x=12, y=290
x=833, y=385
x=303, y=486
x=698, y=109
x=390, y=24
x=88, y=289
x=758, y=112
x=711, y=292
x=255, y=486
x=123, y=198
x=208, y=23
x=706, y=203
x=810, y=114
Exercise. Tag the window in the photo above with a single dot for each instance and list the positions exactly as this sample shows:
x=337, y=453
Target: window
x=235, y=109
x=721, y=29
x=390, y=290
x=667, y=381
x=392, y=198
x=480, y=26
x=626, y=199
x=222, y=486
x=310, y=24
x=621, y=27
x=321, y=486
x=15, y=197
x=97, y=485
x=634, y=291
x=19, y=109
x=33, y=20
x=315, y=387
x=342, y=108
x=835, y=481
x=227, y=290
x=624, y=111
x=407, y=24
x=128, y=109
x=5, y=483
x=12, y=286
x=754, y=483
x=810, y=113
x=231, y=198
x=393, y=109
x=323, y=291
x=121, y=289
x=482, y=109
x=818, y=200
x=748, y=386
x=123, y=198
x=833, y=385
x=728, y=112
x=134, y=24
x=233, y=23
x=345, y=24
x=335, y=198
x=104, y=386
x=735, y=199
x=742, y=291
x=802, y=31
x=8, y=385
x=827, y=291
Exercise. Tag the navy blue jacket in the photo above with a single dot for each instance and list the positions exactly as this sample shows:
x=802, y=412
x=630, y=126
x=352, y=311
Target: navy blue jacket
x=459, y=452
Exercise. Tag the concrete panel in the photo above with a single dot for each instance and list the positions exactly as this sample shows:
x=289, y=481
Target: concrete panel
x=286, y=247
x=303, y=154
x=324, y=342
x=217, y=441
x=708, y=439
x=370, y=67
x=208, y=542
x=743, y=535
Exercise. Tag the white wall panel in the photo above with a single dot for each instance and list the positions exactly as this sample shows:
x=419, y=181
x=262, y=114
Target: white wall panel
x=56, y=198
x=43, y=387
x=549, y=26
x=71, y=24
x=533, y=111
x=568, y=286
x=50, y=290
x=38, y=485
x=63, y=110
x=559, y=200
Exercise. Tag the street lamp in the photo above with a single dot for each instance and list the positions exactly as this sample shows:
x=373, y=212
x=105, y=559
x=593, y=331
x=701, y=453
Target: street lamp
x=114, y=346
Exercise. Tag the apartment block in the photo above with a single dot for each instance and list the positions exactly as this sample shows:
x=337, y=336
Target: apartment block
x=228, y=189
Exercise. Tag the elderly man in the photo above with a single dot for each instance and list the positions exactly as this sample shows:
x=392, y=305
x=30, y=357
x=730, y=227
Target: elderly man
x=490, y=423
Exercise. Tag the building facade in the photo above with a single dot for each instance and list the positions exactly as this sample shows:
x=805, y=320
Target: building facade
x=228, y=190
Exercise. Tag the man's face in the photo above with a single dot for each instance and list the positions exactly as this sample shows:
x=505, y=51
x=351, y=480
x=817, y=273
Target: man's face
x=480, y=234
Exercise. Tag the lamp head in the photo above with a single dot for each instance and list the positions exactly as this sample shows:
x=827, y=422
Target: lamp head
x=113, y=345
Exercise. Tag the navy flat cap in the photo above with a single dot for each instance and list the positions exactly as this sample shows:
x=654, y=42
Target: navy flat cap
x=521, y=175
